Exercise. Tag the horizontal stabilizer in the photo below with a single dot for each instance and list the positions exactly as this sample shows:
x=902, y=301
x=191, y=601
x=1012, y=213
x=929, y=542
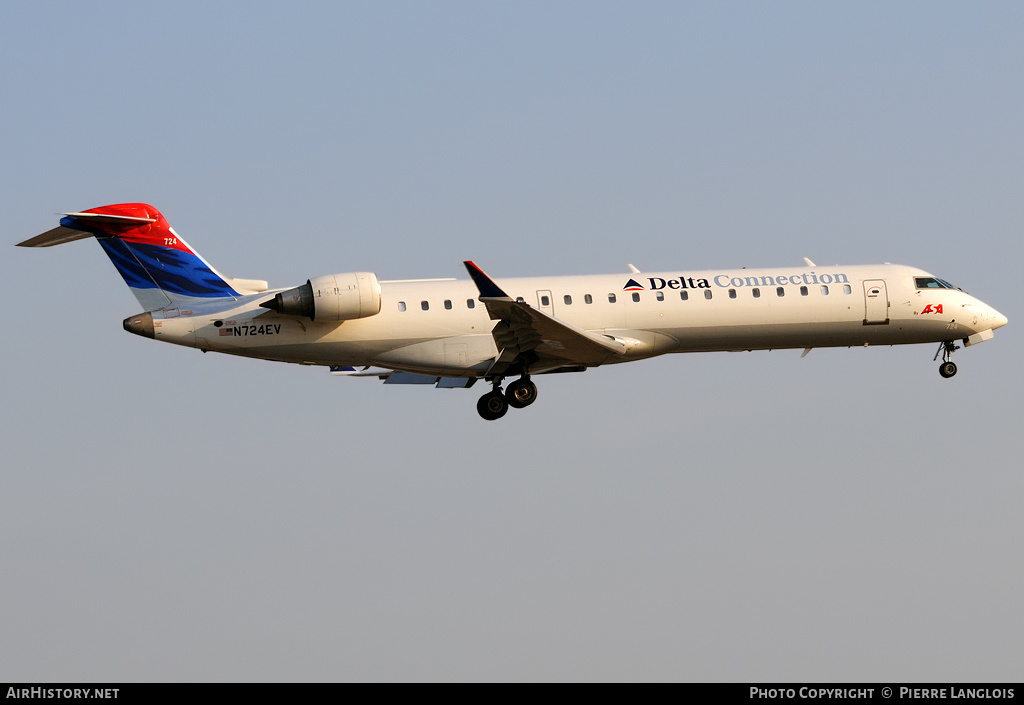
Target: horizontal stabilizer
x=78, y=226
x=110, y=218
x=57, y=236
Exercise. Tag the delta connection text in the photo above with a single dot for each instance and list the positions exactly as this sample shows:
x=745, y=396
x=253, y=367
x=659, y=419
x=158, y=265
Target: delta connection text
x=730, y=281
x=947, y=692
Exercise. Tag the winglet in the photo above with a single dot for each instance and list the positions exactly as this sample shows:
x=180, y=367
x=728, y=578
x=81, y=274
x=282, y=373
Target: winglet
x=488, y=289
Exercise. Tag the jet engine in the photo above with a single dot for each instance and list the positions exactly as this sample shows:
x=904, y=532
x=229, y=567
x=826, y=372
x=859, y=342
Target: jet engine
x=335, y=297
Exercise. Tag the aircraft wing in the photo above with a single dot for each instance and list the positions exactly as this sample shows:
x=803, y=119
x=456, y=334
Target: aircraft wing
x=528, y=336
x=397, y=377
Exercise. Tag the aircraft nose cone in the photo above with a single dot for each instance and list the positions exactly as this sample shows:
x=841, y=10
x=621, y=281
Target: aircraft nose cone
x=999, y=320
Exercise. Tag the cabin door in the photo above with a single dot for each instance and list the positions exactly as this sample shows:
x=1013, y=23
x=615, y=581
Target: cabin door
x=876, y=303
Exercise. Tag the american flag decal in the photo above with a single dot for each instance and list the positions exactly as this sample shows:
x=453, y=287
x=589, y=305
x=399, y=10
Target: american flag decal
x=226, y=331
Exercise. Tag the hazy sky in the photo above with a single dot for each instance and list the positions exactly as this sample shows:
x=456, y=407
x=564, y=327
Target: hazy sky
x=169, y=515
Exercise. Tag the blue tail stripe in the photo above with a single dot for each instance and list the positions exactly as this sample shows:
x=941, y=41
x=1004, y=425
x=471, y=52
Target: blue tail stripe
x=173, y=271
x=129, y=268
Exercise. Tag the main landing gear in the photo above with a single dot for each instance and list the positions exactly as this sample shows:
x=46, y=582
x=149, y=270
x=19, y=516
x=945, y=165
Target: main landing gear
x=948, y=368
x=518, y=395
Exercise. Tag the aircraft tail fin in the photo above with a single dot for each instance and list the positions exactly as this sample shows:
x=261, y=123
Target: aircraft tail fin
x=155, y=262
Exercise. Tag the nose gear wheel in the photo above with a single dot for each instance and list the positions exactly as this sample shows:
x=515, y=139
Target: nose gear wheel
x=948, y=368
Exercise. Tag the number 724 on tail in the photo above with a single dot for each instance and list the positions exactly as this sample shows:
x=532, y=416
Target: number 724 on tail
x=452, y=333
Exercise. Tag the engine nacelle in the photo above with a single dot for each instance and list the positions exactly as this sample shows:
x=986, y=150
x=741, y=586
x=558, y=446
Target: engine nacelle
x=335, y=297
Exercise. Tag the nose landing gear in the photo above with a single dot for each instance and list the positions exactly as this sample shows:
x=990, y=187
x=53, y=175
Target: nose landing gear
x=948, y=368
x=518, y=395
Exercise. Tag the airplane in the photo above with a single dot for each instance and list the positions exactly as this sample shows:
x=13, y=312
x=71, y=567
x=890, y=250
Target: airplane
x=451, y=333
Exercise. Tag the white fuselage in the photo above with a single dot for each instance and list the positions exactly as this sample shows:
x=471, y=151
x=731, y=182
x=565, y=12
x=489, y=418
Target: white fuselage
x=441, y=327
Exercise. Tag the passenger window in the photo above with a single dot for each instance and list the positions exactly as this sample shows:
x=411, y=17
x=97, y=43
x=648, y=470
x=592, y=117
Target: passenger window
x=707, y=294
x=470, y=303
x=847, y=289
x=684, y=295
x=803, y=291
x=588, y=299
x=780, y=291
x=401, y=305
x=660, y=296
x=756, y=293
x=732, y=293
x=545, y=301
x=611, y=298
x=424, y=305
x=448, y=304
x=824, y=291
x=636, y=297
x=567, y=299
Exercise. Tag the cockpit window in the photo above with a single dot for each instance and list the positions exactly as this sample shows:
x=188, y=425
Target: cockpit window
x=932, y=283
